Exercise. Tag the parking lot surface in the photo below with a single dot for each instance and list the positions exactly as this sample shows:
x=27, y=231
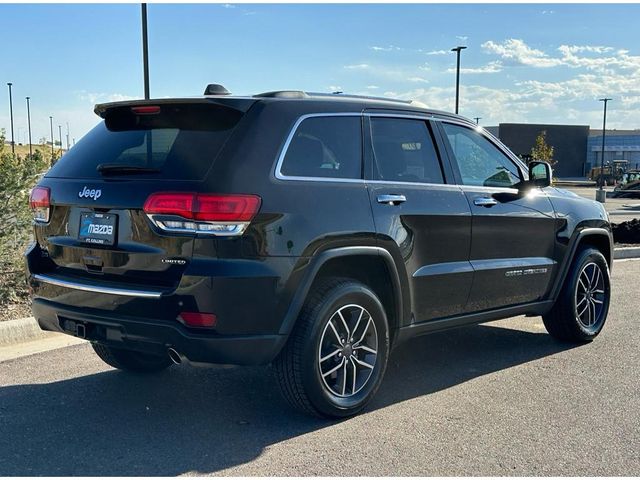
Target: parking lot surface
x=496, y=399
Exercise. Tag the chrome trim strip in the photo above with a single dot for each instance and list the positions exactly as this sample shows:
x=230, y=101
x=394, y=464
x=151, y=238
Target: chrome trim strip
x=96, y=289
x=280, y=176
x=500, y=263
x=443, y=269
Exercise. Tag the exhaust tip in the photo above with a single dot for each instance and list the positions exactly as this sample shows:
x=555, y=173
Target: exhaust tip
x=174, y=356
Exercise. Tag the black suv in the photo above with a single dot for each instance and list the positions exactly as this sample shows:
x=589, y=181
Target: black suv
x=311, y=231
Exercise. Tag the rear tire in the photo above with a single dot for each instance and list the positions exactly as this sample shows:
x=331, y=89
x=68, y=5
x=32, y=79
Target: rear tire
x=336, y=355
x=130, y=360
x=581, y=308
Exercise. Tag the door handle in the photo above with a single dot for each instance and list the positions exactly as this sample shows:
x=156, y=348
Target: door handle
x=485, y=201
x=391, y=199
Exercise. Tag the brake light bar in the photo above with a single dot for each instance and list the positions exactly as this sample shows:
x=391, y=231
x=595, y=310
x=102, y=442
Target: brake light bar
x=40, y=203
x=190, y=212
x=146, y=110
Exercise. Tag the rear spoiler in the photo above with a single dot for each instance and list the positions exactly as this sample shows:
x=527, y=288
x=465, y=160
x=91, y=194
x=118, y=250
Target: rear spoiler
x=236, y=103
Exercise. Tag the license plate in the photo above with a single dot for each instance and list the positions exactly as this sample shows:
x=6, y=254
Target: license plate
x=98, y=228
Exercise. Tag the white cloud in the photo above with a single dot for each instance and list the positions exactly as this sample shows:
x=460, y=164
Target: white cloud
x=94, y=98
x=417, y=80
x=228, y=5
x=462, y=38
x=491, y=67
x=438, y=52
x=334, y=88
x=515, y=52
x=390, y=48
x=372, y=87
x=358, y=66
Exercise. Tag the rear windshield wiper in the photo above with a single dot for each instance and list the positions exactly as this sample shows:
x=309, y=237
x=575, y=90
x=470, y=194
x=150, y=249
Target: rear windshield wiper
x=115, y=168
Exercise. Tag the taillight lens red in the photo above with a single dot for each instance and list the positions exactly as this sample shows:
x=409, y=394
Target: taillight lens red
x=40, y=203
x=197, y=319
x=204, y=207
x=146, y=110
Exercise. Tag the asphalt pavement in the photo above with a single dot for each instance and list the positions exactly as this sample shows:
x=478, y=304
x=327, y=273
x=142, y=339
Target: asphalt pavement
x=502, y=398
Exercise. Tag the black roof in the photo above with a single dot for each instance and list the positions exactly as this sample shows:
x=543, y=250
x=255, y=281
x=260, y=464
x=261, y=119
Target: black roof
x=243, y=103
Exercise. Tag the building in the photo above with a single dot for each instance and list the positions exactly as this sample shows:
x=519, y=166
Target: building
x=577, y=148
x=619, y=145
x=569, y=144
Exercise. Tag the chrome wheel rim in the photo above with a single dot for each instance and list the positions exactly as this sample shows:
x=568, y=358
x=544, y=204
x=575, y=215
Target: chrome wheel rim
x=590, y=295
x=348, y=351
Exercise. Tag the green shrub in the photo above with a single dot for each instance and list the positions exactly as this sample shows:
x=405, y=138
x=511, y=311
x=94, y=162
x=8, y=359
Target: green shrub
x=18, y=175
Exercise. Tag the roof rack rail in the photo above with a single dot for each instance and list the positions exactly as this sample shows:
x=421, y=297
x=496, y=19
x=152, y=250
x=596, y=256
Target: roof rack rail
x=361, y=97
x=283, y=94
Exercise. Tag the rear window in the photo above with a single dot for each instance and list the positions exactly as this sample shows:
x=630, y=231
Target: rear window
x=325, y=147
x=179, y=143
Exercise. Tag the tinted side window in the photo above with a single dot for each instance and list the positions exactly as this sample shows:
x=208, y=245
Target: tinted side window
x=325, y=147
x=480, y=161
x=404, y=151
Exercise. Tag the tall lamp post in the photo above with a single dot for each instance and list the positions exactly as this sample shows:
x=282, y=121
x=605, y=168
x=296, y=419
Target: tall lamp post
x=29, y=127
x=600, y=193
x=13, y=143
x=60, y=138
x=145, y=51
x=477, y=119
x=51, y=125
x=457, y=50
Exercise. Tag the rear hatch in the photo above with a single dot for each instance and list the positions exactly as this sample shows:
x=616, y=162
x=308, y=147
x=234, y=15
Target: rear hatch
x=98, y=231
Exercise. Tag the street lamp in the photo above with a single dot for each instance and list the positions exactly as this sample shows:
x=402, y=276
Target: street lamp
x=457, y=50
x=145, y=51
x=13, y=143
x=29, y=126
x=601, y=194
x=60, y=137
x=51, y=125
x=477, y=119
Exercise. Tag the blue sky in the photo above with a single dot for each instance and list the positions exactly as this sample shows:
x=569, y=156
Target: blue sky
x=524, y=63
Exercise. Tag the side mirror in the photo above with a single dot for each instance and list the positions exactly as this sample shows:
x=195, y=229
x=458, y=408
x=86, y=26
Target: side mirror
x=540, y=174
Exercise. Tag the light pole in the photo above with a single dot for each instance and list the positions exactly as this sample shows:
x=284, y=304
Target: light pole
x=601, y=194
x=13, y=143
x=477, y=119
x=67, y=136
x=51, y=125
x=29, y=126
x=457, y=50
x=145, y=51
x=60, y=137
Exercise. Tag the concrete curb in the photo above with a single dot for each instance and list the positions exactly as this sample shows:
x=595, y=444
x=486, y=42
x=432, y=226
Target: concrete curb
x=626, y=252
x=27, y=329
x=21, y=330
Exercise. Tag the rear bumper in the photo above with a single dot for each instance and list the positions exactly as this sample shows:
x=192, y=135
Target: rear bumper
x=155, y=336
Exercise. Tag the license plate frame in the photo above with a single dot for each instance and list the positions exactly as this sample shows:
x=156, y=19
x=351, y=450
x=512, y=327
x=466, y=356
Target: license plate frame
x=98, y=228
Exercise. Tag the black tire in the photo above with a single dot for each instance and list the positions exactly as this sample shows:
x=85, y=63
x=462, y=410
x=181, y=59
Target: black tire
x=130, y=360
x=298, y=367
x=568, y=320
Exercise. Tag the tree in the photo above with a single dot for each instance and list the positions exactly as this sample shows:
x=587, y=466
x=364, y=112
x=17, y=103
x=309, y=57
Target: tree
x=541, y=151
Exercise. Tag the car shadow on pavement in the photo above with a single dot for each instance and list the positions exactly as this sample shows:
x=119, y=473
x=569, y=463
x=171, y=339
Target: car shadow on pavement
x=205, y=420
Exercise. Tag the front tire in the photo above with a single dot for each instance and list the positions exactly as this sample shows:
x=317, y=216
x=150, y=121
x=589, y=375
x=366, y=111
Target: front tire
x=581, y=308
x=130, y=360
x=336, y=356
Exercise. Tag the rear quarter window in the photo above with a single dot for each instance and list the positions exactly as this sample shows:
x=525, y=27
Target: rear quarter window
x=179, y=143
x=326, y=147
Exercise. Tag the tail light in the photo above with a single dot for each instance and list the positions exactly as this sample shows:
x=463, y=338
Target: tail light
x=40, y=203
x=202, y=212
